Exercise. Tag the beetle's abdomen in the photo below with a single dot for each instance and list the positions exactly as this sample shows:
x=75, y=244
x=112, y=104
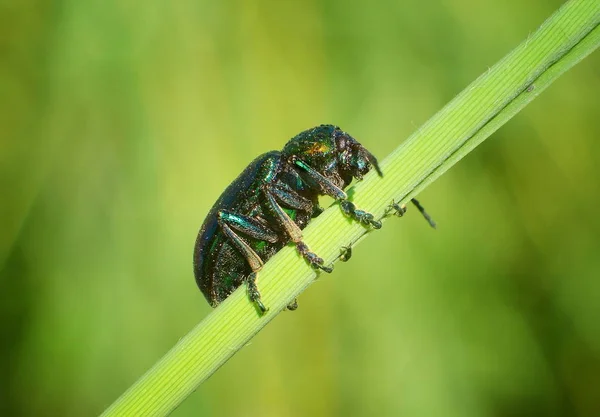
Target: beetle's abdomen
x=215, y=260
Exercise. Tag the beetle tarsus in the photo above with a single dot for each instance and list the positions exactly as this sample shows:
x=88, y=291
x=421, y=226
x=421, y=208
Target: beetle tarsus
x=328, y=269
x=361, y=216
x=399, y=210
x=254, y=294
x=312, y=258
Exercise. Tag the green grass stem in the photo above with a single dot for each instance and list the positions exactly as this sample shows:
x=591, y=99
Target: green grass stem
x=567, y=37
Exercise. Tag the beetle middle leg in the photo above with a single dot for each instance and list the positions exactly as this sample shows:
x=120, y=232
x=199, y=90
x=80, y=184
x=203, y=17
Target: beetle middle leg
x=289, y=197
x=329, y=188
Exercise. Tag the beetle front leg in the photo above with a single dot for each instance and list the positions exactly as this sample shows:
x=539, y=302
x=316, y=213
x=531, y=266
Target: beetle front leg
x=312, y=258
x=330, y=189
x=361, y=216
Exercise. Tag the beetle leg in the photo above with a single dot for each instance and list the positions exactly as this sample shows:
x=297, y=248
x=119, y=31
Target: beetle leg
x=293, y=305
x=312, y=257
x=294, y=232
x=326, y=186
x=401, y=209
x=254, y=294
x=329, y=188
x=345, y=253
x=361, y=216
x=291, y=198
x=251, y=226
x=254, y=261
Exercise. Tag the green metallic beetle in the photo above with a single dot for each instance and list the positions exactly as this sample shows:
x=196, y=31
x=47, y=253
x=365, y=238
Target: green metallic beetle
x=269, y=204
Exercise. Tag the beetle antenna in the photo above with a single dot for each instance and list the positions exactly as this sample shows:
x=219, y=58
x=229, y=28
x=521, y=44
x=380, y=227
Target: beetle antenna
x=418, y=205
x=373, y=161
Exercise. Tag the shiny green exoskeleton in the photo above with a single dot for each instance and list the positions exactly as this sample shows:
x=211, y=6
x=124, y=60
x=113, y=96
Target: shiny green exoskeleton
x=269, y=204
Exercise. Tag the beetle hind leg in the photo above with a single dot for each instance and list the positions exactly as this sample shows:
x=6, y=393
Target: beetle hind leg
x=254, y=293
x=255, y=263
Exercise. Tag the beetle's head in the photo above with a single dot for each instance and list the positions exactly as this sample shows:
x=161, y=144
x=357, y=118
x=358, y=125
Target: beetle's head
x=353, y=158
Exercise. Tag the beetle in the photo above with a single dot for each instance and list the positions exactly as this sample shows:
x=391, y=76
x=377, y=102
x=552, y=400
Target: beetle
x=269, y=204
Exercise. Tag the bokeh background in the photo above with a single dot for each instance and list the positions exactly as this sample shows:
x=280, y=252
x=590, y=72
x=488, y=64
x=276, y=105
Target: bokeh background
x=122, y=122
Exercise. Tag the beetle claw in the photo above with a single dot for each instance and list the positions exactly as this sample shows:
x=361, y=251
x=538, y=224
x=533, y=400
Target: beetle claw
x=399, y=210
x=254, y=294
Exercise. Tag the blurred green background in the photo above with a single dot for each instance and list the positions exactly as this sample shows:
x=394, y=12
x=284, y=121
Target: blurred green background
x=122, y=122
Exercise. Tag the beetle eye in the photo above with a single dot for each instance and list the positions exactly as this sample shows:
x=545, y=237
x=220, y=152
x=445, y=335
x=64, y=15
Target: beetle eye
x=361, y=165
x=368, y=157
